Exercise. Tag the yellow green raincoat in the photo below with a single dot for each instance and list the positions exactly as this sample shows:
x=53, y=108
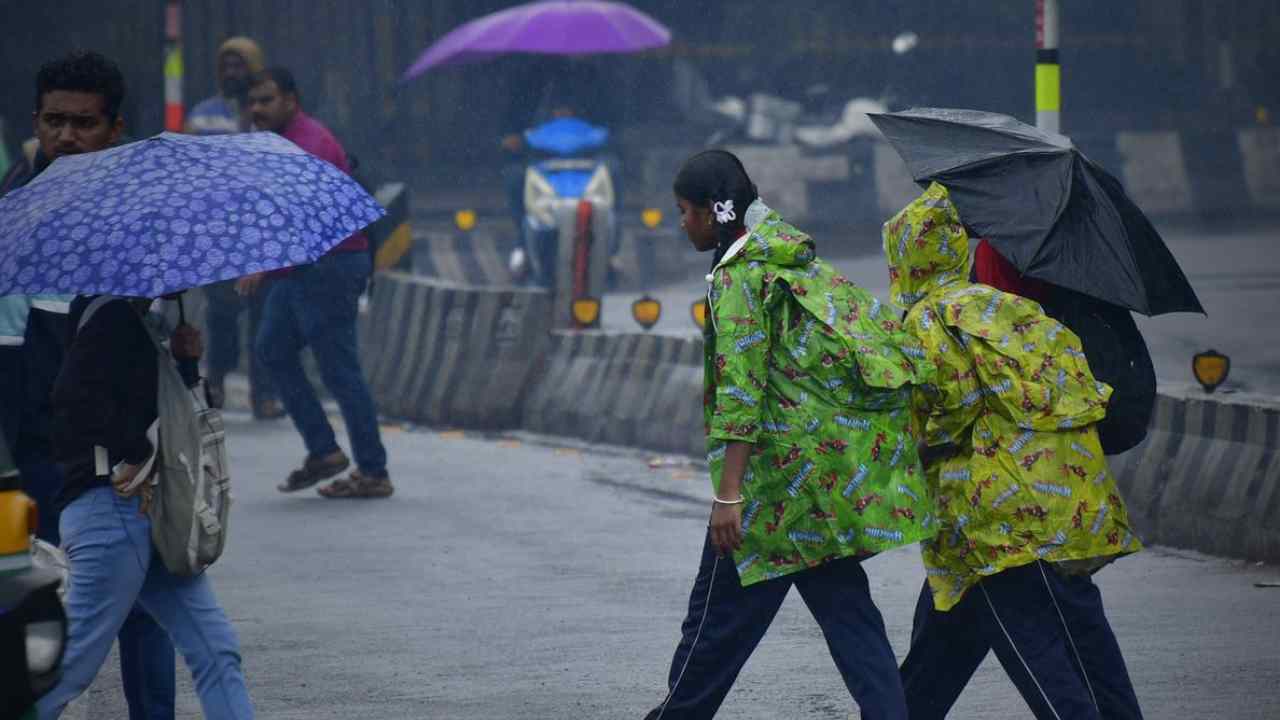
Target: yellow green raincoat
x=816, y=374
x=1013, y=398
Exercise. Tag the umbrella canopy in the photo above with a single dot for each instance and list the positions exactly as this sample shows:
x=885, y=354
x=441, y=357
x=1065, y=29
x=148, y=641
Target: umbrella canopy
x=550, y=27
x=174, y=212
x=1051, y=211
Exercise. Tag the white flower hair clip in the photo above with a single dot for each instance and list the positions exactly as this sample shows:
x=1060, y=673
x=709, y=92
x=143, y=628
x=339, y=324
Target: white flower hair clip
x=724, y=212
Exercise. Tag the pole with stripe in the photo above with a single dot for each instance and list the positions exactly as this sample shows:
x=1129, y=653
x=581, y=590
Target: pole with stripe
x=173, y=112
x=1048, y=69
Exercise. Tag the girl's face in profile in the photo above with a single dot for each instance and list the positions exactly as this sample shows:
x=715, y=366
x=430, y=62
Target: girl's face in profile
x=698, y=225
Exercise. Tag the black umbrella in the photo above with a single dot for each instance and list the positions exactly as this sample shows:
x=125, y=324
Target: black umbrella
x=1050, y=210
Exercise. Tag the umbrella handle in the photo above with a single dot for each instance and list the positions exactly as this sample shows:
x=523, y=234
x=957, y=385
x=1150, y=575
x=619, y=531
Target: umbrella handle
x=182, y=312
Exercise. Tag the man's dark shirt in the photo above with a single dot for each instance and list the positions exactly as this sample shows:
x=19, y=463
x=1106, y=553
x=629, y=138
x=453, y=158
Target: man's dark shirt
x=106, y=394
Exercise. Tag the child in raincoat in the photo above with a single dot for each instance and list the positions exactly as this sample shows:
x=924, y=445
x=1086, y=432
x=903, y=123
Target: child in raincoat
x=813, y=462
x=1026, y=504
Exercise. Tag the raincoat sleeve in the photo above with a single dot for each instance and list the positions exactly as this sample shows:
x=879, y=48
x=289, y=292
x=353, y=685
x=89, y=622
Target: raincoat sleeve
x=889, y=358
x=1030, y=368
x=741, y=363
x=943, y=405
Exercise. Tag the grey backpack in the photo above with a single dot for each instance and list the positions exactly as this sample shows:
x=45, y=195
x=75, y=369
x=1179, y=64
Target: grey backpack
x=192, y=499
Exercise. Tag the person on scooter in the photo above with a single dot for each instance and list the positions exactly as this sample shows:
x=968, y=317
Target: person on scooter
x=559, y=91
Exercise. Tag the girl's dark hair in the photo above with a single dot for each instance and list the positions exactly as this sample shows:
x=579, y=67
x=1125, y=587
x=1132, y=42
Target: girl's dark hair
x=715, y=176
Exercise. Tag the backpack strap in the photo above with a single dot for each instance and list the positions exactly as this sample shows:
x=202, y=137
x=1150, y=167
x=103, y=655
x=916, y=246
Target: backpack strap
x=94, y=306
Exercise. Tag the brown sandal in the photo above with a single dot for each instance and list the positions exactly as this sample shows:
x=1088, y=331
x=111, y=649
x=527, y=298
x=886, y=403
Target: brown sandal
x=314, y=470
x=358, y=485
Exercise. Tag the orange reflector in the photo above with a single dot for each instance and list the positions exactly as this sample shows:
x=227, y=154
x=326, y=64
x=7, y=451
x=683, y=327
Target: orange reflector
x=17, y=522
x=646, y=312
x=586, y=312
x=465, y=220
x=651, y=217
x=1211, y=369
x=699, y=313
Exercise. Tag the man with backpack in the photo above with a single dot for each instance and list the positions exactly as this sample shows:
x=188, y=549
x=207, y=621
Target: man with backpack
x=105, y=399
x=100, y=385
x=77, y=111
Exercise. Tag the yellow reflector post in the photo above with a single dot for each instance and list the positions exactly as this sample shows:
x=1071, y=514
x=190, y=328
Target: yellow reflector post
x=465, y=220
x=699, y=313
x=1211, y=369
x=1048, y=87
x=586, y=312
x=646, y=312
x=651, y=217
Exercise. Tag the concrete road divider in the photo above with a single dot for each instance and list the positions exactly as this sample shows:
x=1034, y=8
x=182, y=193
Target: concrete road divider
x=1208, y=475
x=622, y=389
x=451, y=355
x=477, y=257
x=1260, y=150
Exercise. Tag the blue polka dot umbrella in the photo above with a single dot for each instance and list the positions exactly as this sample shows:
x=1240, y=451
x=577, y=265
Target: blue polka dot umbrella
x=174, y=212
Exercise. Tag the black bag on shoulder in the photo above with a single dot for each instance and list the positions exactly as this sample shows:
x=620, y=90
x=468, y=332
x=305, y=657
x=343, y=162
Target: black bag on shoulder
x=1117, y=356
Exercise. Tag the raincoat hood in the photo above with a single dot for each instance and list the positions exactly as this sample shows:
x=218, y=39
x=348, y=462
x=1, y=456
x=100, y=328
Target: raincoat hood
x=247, y=49
x=769, y=240
x=926, y=246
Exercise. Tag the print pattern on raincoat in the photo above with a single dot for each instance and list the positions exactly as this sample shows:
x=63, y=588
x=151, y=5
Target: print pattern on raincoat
x=1015, y=400
x=817, y=374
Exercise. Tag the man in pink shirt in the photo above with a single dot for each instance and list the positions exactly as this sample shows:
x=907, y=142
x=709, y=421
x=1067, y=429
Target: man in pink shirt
x=316, y=305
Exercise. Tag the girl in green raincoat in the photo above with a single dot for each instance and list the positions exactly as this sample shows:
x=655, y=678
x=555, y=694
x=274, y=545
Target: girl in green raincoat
x=813, y=462
x=1026, y=504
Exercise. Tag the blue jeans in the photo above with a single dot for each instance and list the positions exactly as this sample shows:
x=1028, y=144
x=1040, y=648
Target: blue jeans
x=147, y=671
x=146, y=654
x=726, y=621
x=317, y=305
x=1049, y=632
x=108, y=543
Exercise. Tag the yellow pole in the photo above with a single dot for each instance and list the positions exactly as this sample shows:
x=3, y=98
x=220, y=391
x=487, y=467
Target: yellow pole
x=1048, y=69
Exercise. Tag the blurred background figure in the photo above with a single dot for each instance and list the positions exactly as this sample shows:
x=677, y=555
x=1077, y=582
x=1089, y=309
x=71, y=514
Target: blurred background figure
x=226, y=112
x=317, y=306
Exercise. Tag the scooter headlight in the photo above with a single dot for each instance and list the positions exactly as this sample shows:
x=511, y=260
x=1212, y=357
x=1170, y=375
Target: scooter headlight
x=539, y=199
x=599, y=190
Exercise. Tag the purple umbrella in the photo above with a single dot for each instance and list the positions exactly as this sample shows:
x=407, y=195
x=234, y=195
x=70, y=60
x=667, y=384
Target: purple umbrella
x=549, y=27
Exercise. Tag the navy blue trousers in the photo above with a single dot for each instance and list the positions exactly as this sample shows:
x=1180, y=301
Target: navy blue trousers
x=222, y=320
x=1049, y=632
x=726, y=621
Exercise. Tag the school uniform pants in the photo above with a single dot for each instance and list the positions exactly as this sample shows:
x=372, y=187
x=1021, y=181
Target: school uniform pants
x=1049, y=632
x=726, y=621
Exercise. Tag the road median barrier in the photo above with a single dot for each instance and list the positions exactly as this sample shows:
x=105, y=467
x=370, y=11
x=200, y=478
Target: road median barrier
x=637, y=389
x=1207, y=477
x=452, y=355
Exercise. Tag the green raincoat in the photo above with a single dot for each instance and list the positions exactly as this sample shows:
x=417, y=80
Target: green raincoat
x=817, y=375
x=1014, y=401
